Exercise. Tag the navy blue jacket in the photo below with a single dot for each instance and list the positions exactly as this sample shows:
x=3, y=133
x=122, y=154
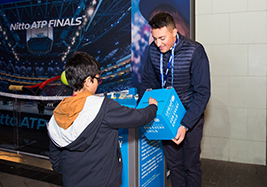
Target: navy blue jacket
x=87, y=153
x=191, y=76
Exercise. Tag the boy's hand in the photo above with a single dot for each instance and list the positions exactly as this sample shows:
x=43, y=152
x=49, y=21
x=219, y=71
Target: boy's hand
x=152, y=101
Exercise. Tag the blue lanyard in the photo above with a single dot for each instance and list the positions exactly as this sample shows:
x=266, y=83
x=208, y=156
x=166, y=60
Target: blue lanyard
x=171, y=60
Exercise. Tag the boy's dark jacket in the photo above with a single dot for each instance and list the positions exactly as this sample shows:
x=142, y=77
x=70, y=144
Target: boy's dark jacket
x=84, y=139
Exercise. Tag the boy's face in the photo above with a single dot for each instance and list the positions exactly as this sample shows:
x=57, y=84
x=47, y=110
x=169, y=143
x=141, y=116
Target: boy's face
x=164, y=38
x=94, y=84
x=91, y=84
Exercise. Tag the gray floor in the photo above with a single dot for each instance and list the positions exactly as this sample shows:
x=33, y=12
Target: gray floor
x=230, y=174
x=214, y=174
x=10, y=180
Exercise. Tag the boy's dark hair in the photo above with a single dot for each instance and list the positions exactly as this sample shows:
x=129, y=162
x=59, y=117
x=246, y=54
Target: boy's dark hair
x=162, y=19
x=80, y=66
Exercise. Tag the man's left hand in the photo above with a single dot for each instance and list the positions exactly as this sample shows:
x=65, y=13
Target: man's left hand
x=180, y=135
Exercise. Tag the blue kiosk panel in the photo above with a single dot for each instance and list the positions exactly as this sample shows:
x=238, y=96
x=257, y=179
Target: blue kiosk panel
x=150, y=162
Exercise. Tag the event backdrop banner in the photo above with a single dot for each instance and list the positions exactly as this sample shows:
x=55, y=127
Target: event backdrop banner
x=37, y=37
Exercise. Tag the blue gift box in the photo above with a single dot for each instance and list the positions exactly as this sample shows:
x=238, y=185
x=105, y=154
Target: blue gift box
x=169, y=115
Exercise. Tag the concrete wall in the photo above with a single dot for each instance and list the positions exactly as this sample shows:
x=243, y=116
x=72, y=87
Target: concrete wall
x=234, y=34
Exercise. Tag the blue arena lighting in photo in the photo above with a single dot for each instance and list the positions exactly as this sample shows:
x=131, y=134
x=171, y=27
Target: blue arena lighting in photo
x=36, y=39
x=11, y=1
x=40, y=32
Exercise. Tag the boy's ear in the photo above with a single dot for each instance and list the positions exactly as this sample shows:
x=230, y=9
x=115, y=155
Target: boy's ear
x=88, y=82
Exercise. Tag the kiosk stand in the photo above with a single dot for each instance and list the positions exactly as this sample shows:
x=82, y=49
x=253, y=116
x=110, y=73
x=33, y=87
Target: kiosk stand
x=143, y=159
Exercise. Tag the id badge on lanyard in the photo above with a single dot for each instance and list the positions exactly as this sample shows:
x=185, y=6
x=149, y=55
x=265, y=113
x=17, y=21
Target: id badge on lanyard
x=171, y=61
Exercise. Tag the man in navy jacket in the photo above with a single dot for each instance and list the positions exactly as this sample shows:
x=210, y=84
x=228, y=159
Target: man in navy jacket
x=176, y=61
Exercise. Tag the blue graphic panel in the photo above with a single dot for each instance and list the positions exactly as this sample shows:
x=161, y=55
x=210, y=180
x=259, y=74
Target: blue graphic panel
x=151, y=162
x=123, y=142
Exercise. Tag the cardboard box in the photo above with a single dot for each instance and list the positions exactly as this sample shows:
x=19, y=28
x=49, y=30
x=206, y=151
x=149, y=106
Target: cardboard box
x=169, y=115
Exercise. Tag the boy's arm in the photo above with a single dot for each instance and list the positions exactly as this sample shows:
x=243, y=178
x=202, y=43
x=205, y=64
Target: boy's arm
x=118, y=116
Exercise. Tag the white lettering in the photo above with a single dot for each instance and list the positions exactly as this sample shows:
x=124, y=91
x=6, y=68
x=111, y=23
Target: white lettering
x=34, y=26
x=38, y=22
x=67, y=22
x=44, y=23
x=13, y=27
x=50, y=23
x=61, y=23
x=78, y=20
x=27, y=26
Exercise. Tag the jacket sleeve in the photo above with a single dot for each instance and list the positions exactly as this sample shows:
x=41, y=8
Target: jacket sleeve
x=118, y=116
x=149, y=78
x=55, y=157
x=200, y=80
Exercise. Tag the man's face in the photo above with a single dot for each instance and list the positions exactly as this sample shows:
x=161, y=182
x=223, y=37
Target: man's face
x=164, y=38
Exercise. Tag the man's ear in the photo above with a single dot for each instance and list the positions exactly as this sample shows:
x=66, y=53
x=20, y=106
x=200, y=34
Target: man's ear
x=174, y=32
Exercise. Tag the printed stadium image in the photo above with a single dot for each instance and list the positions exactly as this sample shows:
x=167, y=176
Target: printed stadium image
x=36, y=39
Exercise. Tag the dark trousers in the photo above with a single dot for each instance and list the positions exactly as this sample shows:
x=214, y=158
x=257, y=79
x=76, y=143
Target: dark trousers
x=183, y=160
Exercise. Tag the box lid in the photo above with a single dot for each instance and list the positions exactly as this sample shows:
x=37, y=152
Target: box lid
x=161, y=95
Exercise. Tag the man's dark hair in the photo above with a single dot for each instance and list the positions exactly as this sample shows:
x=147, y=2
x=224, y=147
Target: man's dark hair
x=80, y=66
x=162, y=19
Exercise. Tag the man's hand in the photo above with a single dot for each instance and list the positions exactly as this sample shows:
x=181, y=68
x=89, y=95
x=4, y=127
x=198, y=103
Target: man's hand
x=180, y=135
